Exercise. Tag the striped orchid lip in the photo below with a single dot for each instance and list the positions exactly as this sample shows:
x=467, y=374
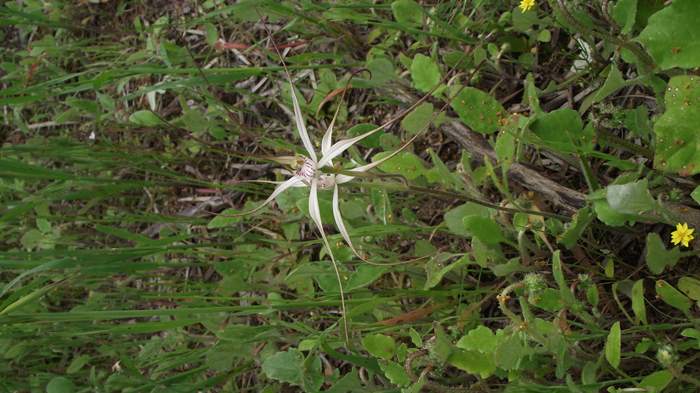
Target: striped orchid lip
x=307, y=170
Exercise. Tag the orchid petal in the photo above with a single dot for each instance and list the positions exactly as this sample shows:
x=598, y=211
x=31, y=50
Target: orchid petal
x=301, y=127
x=339, y=147
x=292, y=182
x=314, y=208
x=315, y=212
x=326, y=141
x=340, y=224
x=340, y=179
x=327, y=137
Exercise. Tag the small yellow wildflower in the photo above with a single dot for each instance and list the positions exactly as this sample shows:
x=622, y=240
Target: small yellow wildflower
x=526, y=5
x=682, y=234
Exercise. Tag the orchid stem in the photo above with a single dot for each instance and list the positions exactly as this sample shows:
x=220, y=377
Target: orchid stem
x=346, y=330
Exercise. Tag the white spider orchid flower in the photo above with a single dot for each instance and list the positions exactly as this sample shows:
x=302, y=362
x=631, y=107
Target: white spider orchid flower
x=309, y=174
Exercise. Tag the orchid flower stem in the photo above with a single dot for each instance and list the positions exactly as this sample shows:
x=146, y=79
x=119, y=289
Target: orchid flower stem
x=346, y=329
x=315, y=213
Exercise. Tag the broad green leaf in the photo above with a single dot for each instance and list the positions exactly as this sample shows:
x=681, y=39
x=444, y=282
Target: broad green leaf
x=425, y=73
x=549, y=300
x=389, y=141
x=511, y=351
x=485, y=255
x=440, y=173
x=32, y=239
x=285, y=366
x=480, y=339
x=407, y=12
x=558, y=273
x=607, y=214
x=677, y=137
x=484, y=229
x=593, y=295
x=473, y=362
x=89, y=106
x=349, y=383
x=672, y=36
x=396, y=374
x=646, y=8
x=625, y=14
x=574, y=229
x=60, y=385
x=381, y=204
x=364, y=275
x=145, y=118
x=505, y=146
x=435, y=269
x=612, y=345
x=379, y=345
x=195, y=121
x=77, y=363
x=690, y=287
x=637, y=120
x=657, y=381
x=454, y=218
x=643, y=346
x=562, y=130
x=405, y=163
x=512, y=266
x=638, y=307
x=531, y=95
x=657, y=257
x=613, y=82
x=416, y=338
x=672, y=296
x=418, y=119
x=291, y=367
x=692, y=333
x=589, y=373
x=382, y=70
x=507, y=139
x=478, y=110
x=523, y=21
x=544, y=36
x=441, y=348
x=630, y=198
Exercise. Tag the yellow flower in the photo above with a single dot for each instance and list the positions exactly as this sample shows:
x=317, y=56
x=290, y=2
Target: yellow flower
x=526, y=5
x=682, y=234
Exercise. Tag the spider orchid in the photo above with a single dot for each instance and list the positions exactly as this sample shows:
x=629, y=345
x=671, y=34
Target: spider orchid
x=308, y=170
x=308, y=174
